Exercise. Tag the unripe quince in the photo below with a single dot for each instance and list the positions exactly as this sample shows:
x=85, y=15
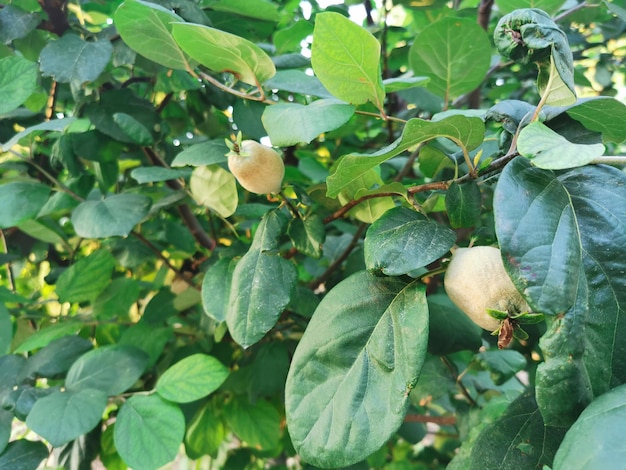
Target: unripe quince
x=476, y=280
x=258, y=168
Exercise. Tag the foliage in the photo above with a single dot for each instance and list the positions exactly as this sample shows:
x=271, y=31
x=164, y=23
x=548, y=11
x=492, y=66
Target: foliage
x=152, y=310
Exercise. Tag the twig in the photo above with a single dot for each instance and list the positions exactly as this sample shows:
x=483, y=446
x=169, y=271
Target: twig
x=8, y=263
x=355, y=202
x=232, y=91
x=185, y=212
x=440, y=420
x=457, y=379
x=340, y=259
x=608, y=160
x=164, y=259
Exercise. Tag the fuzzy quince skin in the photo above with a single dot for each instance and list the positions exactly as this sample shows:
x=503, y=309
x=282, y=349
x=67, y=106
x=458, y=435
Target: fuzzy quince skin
x=258, y=168
x=476, y=280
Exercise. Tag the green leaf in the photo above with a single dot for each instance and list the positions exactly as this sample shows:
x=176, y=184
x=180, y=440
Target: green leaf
x=146, y=28
x=291, y=123
x=351, y=374
x=404, y=83
x=16, y=23
x=191, y=378
x=502, y=364
x=64, y=416
x=148, y=431
x=538, y=233
x=530, y=35
x=450, y=330
x=205, y=433
x=87, y=278
x=346, y=59
x=518, y=439
x=153, y=174
x=206, y=153
x=549, y=150
x=56, y=357
x=6, y=330
x=74, y=60
x=463, y=204
x=214, y=187
x=366, y=184
x=149, y=338
x=115, y=215
x=21, y=201
x=465, y=132
x=45, y=230
x=6, y=421
x=576, y=220
x=216, y=288
x=452, y=70
x=593, y=440
x=602, y=114
x=297, y=81
x=262, y=284
x=224, y=52
x=553, y=86
x=403, y=240
x=116, y=299
x=18, y=80
x=111, y=369
x=54, y=125
x=46, y=335
x=307, y=235
x=134, y=129
x=23, y=455
x=258, y=424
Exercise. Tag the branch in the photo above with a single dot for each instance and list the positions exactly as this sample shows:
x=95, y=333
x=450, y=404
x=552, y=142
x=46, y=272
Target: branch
x=440, y=420
x=608, y=160
x=185, y=212
x=313, y=285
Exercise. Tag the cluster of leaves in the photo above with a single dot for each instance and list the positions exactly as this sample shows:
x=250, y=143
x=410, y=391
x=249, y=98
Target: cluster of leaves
x=151, y=308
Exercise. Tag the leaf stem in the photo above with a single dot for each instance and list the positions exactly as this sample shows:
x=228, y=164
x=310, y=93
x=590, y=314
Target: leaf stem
x=610, y=160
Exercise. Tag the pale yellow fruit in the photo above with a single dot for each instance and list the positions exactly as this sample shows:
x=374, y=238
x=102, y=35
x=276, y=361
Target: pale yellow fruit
x=258, y=168
x=476, y=280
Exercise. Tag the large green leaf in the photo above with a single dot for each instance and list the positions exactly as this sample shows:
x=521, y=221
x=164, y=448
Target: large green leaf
x=86, y=278
x=465, y=132
x=518, y=439
x=602, y=114
x=224, y=52
x=573, y=263
x=452, y=70
x=6, y=422
x=21, y=201
x=205, y=433
x=23, y=455
x=205, y=153
x=346, y=59
x=214, y=187
x=111, y=369
x=595, y=441
x=71, y=59
x=530, y=35
x=450, y=330
x=549, y=150
x=191, y=378
x=403, y=240
x=291, y=123
x=56, y=358
x=262, y=284
x=148, y=431
x=258, y=424
x=538, y=233
x=115, y=215
x=16, y=23
x=350, y=377
x=146, y=28
x=46, y=335
x=54, y=125
x=216, y=288
x=18, y=80
x=463, y=203
x=64, y=416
